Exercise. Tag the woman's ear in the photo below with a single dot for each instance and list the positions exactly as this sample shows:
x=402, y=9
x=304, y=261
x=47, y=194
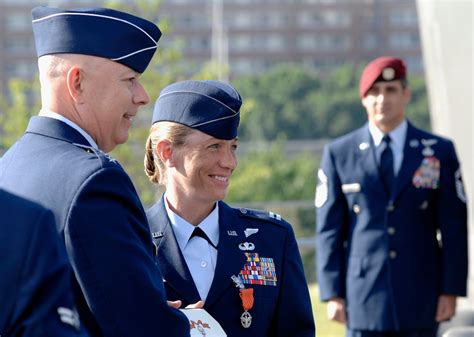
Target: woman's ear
x=164, y=149
x=75, y=84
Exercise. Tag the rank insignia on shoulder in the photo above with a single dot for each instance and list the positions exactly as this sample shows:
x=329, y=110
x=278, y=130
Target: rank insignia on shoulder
x=274, y=216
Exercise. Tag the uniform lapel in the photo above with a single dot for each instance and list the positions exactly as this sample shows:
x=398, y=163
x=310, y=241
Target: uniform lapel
x=367, y=160
x=412, y=158
x=172, y=263
x=230, y=260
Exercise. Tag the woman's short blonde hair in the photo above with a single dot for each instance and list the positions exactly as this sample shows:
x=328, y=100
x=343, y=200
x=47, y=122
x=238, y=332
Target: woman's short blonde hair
x=173, y=132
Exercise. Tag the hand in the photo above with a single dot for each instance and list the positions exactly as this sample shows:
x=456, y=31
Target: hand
x=446, y=307
x=175, y=304
x=336, y=310
x=197, y=305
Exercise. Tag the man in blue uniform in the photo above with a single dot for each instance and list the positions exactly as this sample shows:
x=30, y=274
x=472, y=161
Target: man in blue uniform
x=391, y=218
x=90, y=62
x=36, y=297
x=244, y=264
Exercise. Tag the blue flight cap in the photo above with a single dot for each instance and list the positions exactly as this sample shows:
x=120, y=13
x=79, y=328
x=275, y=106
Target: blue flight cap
x=102, y=32
x=208, y=106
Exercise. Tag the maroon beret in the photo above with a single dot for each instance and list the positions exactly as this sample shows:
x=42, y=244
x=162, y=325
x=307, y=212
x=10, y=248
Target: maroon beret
x=385, y=68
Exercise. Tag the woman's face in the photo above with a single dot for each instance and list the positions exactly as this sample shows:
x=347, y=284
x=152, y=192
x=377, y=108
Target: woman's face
x=202, y=168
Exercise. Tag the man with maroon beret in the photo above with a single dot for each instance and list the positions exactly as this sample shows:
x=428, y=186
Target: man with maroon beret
x=391, y=218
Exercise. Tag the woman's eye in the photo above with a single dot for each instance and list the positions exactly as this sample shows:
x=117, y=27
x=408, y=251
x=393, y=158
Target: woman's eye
x=214, y=146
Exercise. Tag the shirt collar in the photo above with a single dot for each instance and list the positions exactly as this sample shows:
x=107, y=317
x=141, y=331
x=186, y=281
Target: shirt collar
x=51, y=114
x=397, y=135
x=183, y=229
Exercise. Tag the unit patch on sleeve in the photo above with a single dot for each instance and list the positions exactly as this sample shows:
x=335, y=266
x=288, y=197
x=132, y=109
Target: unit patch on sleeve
x=259, y=270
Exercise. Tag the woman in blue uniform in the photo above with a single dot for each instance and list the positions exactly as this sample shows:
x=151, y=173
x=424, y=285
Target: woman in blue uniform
x=244, y=264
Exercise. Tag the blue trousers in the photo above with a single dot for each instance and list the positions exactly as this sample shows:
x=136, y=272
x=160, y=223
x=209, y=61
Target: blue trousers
x=411, y=333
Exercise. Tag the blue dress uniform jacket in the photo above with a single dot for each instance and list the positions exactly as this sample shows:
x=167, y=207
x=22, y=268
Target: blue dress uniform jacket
x=100, y=217
x=380, y=252
x=36, y=297
x=283, y=310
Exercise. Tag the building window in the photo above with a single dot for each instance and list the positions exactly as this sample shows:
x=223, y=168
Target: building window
x=404, y=41
x=404, y=18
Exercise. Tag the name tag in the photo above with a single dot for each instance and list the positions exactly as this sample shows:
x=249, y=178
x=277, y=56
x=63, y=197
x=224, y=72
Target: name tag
x=350, y=188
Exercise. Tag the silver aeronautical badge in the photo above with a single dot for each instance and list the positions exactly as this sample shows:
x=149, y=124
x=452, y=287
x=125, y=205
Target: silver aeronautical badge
x=250, y=231
x=246, y=319
x=427, y=143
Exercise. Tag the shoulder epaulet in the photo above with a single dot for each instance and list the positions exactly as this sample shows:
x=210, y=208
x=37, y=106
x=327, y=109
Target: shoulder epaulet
x=101, y=155
x=262, y=215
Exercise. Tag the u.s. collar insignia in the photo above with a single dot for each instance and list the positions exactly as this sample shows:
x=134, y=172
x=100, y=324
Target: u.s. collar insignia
x=363, y=146
x=245, y=246
x=232, y=233
x=156, y=235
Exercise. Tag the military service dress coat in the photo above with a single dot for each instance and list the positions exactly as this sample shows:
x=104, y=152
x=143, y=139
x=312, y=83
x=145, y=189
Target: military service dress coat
x=380, y=252
x=100, y=217
x=36, y=297
x=281, y=307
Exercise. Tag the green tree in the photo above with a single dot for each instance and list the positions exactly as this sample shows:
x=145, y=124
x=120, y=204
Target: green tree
x=297, y=103
x=17, y=104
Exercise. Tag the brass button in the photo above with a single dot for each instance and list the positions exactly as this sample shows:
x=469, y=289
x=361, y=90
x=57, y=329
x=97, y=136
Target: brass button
x=391, y=230
x=390, y=207
x=392, y=254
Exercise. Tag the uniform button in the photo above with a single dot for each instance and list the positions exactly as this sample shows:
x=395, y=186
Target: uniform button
x=356, y=208
x=203, y=264
x=243, y=210
x=390, y=207
x=392, y=254
x=391, y=230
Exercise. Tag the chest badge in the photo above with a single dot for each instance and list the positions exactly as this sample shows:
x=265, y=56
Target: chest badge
x=245, y=246
x=427, y=175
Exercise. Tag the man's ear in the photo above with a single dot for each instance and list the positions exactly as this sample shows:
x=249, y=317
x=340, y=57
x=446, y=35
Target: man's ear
x=75, y=83
x=164, y=149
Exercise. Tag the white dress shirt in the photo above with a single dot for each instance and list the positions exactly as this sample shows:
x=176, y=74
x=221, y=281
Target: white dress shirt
x=397, y=143
x=199, y=255
x=51, y=114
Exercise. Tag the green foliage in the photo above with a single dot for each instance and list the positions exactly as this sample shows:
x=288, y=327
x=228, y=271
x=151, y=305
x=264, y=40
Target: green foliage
x=298, y=103
x=266, y=175
x=17, y=105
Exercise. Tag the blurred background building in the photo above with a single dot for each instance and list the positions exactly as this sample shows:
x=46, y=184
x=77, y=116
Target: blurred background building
x=250, y=35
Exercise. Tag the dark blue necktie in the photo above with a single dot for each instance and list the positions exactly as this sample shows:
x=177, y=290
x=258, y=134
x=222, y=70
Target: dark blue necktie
x=386, y=165
x=199, y=232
